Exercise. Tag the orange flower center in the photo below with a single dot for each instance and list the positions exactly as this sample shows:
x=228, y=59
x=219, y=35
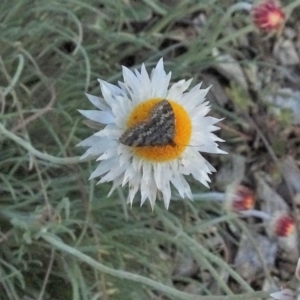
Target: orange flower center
x=183, y=130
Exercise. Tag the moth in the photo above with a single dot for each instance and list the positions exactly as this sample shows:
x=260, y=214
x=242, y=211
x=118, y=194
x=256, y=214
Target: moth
x=158, y=130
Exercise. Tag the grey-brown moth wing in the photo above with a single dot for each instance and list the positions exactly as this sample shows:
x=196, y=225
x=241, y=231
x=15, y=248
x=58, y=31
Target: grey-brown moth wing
x=159, y=130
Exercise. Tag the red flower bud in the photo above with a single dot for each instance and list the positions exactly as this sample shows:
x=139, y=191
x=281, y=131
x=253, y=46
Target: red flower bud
x=268, y=15
x=284, y=225
x=239, y=198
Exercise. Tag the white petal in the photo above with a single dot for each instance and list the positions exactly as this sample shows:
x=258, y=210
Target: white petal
x=133, y=85
x=88, y=142
x=146, y=84
x=114, y=90
x=160, y=81
x=134, y=185
x=109, y=153
x=121, y=110
x=147, y=171
x=194, y=163
x=97, y=146
x=116, y=183
x=129, y=174
x=158, y=174
x=162, y=177
x=113, y=174
x=125, y=154
x=108, y=92
x=153, y=193
x=199, y=111
x=110, y=131
x=194, y=98
x=103, y=117
x=104, y=167
x=179, y=182
x=181, y=185
x=98, y=102
x=167, y=194
x=148, y=191
x=177, y=89
x=95, y=150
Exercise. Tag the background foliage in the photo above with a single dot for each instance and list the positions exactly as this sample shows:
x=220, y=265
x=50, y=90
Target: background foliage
x=60, y=236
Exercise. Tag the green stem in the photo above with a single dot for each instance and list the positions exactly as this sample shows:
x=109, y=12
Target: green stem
x=58, y=244
x=16, y=77
x=194, y=246
x=289, y=8
x=38, y=154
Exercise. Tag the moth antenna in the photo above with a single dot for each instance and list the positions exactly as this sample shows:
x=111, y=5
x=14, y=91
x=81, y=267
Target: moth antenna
x=189, y=145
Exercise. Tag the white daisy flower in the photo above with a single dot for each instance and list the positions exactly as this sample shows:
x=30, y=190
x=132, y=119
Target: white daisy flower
x=153, y=134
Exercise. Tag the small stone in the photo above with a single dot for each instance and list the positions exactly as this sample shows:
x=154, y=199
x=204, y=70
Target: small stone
x=285, y=52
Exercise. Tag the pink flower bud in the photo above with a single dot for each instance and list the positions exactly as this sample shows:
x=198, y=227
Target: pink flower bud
x=268, y=15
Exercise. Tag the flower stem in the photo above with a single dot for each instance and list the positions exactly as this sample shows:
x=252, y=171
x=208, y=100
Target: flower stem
x=33, y=151
x=210, y=196
x=255, y=213
x=58, y=244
